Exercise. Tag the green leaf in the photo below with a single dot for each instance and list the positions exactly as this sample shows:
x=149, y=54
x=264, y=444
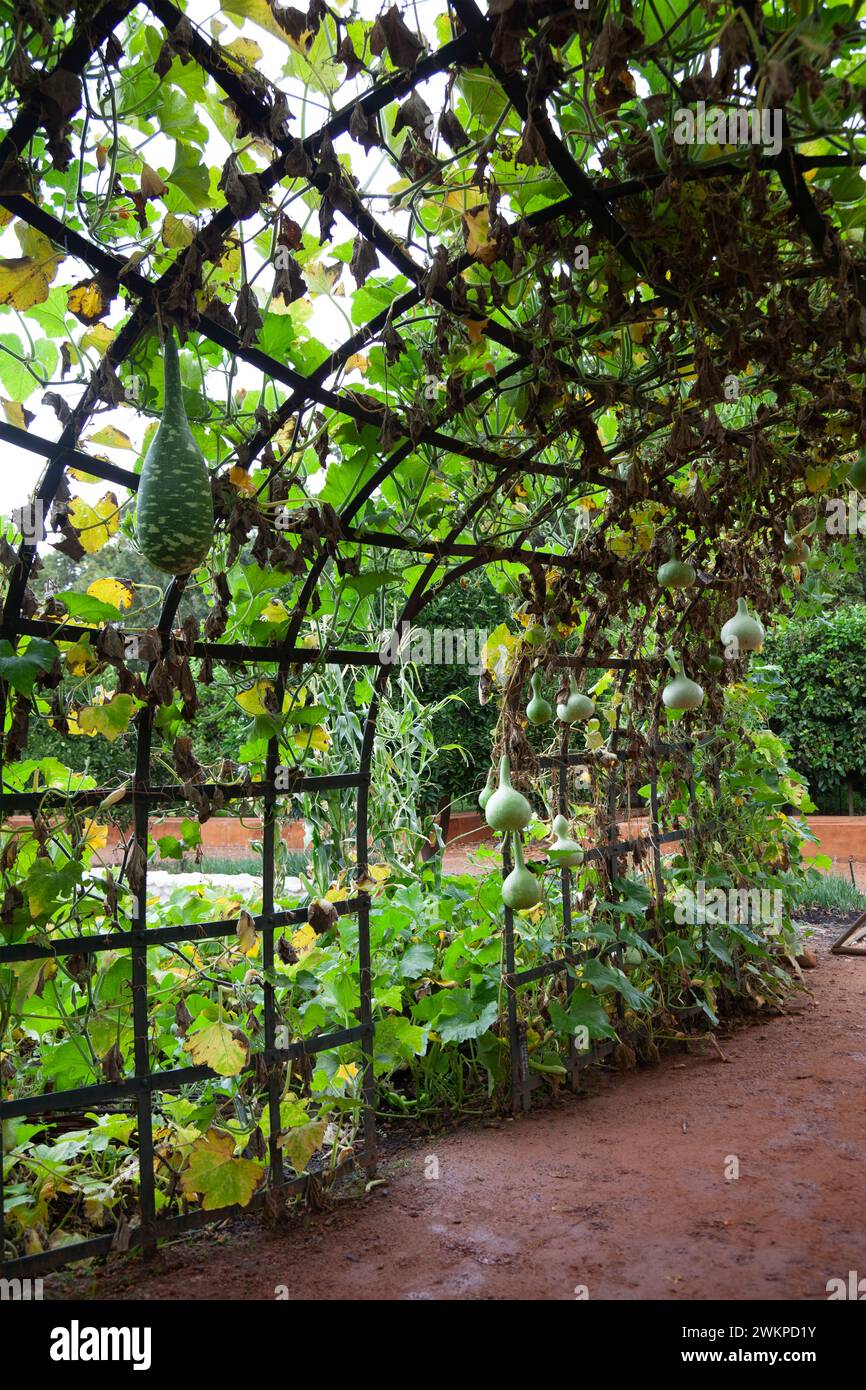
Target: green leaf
x=190, y=175
x=21, y=670
x=87, y=609
x=217, y=1176
x=301, y=1141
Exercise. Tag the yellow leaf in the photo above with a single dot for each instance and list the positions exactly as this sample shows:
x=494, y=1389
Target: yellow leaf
x=25, y=280
x=316, y=738
x=216, y=1046
x=358, y=362
x=252, y=701
x=100, y=337
x=248, y=938
x=475, y=329
x=15, y=413
x=112, y=591
x=246, y=52
x=380, y=872
x=177, y=232
x=259, y=11
x=304, y=939
x=347, y=1071
x=87, y=301
x=80, y=658
x=475, y=225
x=817, y=478
x=274, y=611
x=95, y=525
x=112, y=438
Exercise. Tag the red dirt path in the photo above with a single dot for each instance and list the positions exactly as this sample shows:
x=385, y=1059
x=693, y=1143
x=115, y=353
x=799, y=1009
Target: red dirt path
x=622, y=1191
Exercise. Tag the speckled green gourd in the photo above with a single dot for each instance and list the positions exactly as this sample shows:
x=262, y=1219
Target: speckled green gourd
x=174, y=511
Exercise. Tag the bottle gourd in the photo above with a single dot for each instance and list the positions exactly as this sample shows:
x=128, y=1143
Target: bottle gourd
x=681, y=693
x=174, y=516
x=539, y=710
x=576, y=706
x=520, y=890
x=507, y=809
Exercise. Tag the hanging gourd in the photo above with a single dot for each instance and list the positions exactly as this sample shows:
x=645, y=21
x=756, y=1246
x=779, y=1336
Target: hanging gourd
x=744, y=630
x=538, y=711
x=857, y=473
x=576, y=706
x=681, y=693
x=676, y=574
x=521, y=889
x=487, y=790
x=797, y=551
x=715, y=663
x=564, y=850
x=507, y=809
x=174, y=516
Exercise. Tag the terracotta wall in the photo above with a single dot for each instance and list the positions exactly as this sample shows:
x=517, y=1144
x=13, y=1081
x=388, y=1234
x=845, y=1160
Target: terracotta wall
x=842, y=837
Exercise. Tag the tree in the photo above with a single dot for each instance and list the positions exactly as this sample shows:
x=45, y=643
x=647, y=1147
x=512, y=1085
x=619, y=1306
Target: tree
x=822, y=701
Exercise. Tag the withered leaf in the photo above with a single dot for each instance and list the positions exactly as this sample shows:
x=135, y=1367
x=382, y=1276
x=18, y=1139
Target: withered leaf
x=389, y=31
x=364, y=259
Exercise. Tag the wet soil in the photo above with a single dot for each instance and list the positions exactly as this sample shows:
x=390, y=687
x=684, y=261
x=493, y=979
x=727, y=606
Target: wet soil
x=629, y=1190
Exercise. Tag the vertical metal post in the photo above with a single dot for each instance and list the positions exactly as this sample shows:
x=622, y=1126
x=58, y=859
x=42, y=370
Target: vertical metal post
x=138, y=953
x=272, y=1066
x=572, y=1060
x=365, y=979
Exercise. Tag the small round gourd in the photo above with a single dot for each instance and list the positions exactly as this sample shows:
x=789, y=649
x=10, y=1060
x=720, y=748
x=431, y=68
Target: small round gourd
x=681, y=693
x=488, y=789
x=744, y=630
x=564, y=850
x=507, y=809
x=576, y=706
x=539, y=711
x=521, y=888
x=676, y=574
x=715, y=663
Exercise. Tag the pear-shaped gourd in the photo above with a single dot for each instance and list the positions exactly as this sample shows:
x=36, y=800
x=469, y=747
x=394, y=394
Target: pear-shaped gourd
x=174, y=509
x=521, y=889
x=538, y=711
x=507, y=809
x=743, y=629
x=797, y=551
x=564, y=850
x=857, y=473
x=576, y=707
x=676, y=574
x=681, y=692
x=487, y=790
